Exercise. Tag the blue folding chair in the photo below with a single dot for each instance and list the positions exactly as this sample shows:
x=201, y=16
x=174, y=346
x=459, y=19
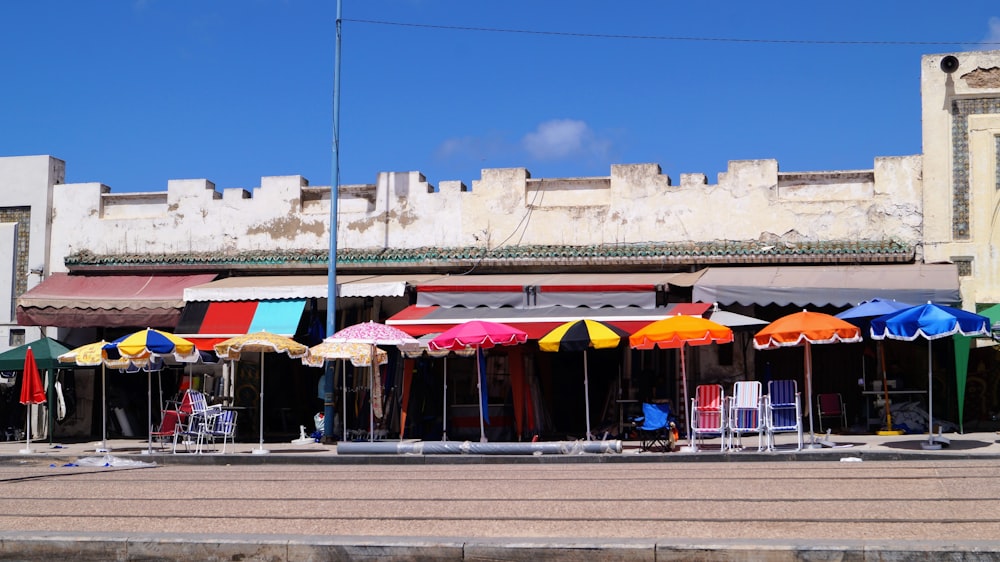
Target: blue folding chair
x=655, y=427
x=783, y=410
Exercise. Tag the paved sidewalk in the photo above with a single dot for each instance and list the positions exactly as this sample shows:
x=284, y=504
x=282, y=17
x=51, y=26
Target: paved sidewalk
x=863, y=446
x=291, y=477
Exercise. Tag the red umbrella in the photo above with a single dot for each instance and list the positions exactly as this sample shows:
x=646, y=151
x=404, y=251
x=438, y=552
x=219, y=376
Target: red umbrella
x=32, y=391
x=478, y=334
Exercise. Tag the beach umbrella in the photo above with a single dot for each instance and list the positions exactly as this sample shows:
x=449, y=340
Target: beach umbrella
x=92, y=355
x=678, y=332
x=478, y=335
x=581, y=335
x=46, y=350
x=861, y=315
x=806, y=329
x=929, y=321
x=32, y=392
x=148, y=342
x=143, y=346
x=374, y=334
x=359, y=354
x=260, y=342
x=443, y=355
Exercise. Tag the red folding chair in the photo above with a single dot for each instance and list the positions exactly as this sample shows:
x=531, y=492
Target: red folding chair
x=708, y=414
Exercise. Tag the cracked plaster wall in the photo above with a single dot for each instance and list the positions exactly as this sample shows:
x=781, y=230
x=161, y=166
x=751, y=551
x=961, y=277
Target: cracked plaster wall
x=636, y=203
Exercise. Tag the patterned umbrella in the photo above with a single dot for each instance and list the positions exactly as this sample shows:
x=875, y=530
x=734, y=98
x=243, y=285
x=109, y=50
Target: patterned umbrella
x=806, y=328
x=678, y=332
x=359, y=354
x=32, y=392
x=373, y=334
x=581, y=335
x=480, y=335
x=260, y=342
x=929, y=321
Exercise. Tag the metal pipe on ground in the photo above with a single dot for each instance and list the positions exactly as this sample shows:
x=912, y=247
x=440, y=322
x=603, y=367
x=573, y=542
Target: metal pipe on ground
x=476, y=448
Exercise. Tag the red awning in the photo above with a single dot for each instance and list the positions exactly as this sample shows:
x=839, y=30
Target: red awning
x=536, y=322
x=80, y=301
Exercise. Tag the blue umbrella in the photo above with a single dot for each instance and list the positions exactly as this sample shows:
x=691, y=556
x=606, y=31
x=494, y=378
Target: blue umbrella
x=861, y=315
x=874, y=308
x=929, y=321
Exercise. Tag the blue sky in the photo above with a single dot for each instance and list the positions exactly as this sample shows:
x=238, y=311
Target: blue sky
x=132, y=93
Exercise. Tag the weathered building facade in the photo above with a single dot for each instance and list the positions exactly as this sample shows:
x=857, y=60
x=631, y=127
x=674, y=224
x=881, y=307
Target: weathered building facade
x=911, y=210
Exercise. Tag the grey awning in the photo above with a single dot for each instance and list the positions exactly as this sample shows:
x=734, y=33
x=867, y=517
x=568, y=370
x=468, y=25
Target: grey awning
x=829, y=285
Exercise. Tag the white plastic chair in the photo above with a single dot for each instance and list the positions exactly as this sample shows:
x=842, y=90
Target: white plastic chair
x=746, y=414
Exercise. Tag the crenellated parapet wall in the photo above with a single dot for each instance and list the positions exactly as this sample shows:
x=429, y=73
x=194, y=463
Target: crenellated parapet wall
x=635, y=204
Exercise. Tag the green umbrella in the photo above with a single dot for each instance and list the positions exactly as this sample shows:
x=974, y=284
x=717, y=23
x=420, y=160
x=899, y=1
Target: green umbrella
x=46, y=352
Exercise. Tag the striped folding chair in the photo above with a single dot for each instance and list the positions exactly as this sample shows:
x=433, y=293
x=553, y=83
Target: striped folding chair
x=746, y=413
x=708, y=414
x=783, y=410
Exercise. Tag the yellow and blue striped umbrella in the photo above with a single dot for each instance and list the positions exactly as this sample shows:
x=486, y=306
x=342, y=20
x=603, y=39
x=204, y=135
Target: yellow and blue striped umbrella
x=154, y=342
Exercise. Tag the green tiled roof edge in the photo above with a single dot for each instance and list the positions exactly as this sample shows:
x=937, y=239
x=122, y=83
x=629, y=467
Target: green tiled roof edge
x=755, y=251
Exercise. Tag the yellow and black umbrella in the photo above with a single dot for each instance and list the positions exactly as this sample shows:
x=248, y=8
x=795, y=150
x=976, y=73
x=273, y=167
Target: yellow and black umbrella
x=581, y=335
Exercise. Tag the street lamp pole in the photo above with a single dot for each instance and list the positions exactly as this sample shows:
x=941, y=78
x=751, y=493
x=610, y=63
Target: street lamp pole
x=331, y=269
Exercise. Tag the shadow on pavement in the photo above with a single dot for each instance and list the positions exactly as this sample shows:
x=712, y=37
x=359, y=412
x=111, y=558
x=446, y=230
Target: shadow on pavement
x=956, y=444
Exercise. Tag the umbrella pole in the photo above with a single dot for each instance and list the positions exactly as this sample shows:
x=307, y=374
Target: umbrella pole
x=104, y=412
x=149, y=411
x=371, y=403
x=885, y=388
x=444, y=401
x=27, y=430
x=479, y=389
x=809, y=408
x=343, y=389
x=260, y=406
x=930, y=444
x=586, y=394
x=687, y=405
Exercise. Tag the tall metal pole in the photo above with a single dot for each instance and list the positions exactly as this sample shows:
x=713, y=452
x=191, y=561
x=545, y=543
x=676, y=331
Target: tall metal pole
x=331, y=269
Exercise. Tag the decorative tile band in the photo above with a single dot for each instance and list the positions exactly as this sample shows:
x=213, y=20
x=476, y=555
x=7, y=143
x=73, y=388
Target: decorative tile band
x=961, y=110
x=21, y=216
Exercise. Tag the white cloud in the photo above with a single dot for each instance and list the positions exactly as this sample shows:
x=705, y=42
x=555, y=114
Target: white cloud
x=993, y=37
x=558, y=139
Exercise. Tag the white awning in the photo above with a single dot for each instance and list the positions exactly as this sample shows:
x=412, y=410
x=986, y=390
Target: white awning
x=276, y=287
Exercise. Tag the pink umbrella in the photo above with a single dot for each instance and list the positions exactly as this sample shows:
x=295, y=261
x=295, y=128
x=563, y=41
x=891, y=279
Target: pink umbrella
x=478, y=334
x=373, y=334
x=32, y=391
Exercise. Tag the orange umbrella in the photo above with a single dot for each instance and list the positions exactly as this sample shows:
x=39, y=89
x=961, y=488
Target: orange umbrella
x=806, y=328
x=677, y=332
x=32, y=391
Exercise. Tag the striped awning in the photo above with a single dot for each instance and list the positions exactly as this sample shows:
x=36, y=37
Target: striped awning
x=208, y=323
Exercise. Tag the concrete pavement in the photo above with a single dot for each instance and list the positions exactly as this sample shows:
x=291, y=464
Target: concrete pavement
x=628, y=506
x=864, y=446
